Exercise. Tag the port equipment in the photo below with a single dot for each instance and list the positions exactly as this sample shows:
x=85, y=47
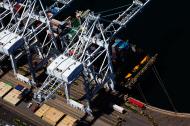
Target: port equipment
x=40, y=112
x=13, y=97
x=6, y=9
x=68, y=121
x=6, y=14
x=118, y=108
x=88, y=57
x=136, y=102
x=137, y=73
x=4, y=89
x=52, y=116
x=23, y=35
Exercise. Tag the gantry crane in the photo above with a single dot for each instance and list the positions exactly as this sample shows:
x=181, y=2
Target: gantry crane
x=20, y=36
x=88, y=56
x=6, y=10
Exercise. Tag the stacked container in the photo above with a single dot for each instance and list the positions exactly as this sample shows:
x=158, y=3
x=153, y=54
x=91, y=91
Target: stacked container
x=42, y=110
x=67, y=121
x=52, y=116
x=4, y=89
x=13, y=97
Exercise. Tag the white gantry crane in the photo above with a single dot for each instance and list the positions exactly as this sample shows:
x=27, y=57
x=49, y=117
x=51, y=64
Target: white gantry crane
x=29, y=32
x=6, y=10
x=88, y=56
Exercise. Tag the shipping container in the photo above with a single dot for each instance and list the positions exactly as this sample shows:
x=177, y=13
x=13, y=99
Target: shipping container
x=19, y=87
x=13, y=97
x=52, y=123
x=67, y=121
x=135, y=68
x=118, y=108
x=136, y=102
x=55, y=22
x=52, y=116
x=114, y=48
x=42, y=110
x=35, y=107
x=144, y=60
x=4, y=89
x=128, y=75
x=124, y=45
x=18, y=8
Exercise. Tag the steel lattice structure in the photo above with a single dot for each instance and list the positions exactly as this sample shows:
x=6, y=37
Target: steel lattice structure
x=87, y=55
x=20, y=35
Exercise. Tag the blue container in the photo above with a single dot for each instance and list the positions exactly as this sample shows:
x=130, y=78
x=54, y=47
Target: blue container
x=55, y=10
x=19, y=87
x=124, y=45
x=117, y=43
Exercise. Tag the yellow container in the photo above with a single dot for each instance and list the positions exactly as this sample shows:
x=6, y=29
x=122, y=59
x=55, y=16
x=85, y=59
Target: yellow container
x=13, y=97
x=42, y=110
x=128, y=75
x=4, y=89
x=52, y=116
x=67, y=121
x=135, y=68
x=52, y=123
x=145, y=59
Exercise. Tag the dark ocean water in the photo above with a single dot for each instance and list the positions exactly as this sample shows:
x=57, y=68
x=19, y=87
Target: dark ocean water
x=163, y=28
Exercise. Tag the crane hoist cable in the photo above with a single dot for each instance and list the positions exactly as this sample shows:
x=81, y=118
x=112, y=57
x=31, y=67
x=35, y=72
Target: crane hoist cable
x=141, y=93
x=120, y=7
x=161, y=82
x=112, y=14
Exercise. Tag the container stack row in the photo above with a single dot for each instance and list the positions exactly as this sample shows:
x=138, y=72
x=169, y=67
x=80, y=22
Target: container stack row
x=54, y=116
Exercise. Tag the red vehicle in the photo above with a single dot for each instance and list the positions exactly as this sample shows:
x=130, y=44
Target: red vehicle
x=136, y=102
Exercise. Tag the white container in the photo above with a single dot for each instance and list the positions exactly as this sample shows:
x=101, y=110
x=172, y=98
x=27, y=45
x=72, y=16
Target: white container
x=118, y=108
x=76, y=105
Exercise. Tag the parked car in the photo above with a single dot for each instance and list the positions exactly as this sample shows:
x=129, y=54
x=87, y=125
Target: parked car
x=29, y=104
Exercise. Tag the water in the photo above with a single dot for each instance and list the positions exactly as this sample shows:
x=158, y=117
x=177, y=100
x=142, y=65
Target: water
x=162, y=28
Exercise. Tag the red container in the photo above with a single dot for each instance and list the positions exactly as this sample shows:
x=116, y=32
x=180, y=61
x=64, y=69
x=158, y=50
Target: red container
x=18, y=8
x=136, y=102
x=34, y=107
